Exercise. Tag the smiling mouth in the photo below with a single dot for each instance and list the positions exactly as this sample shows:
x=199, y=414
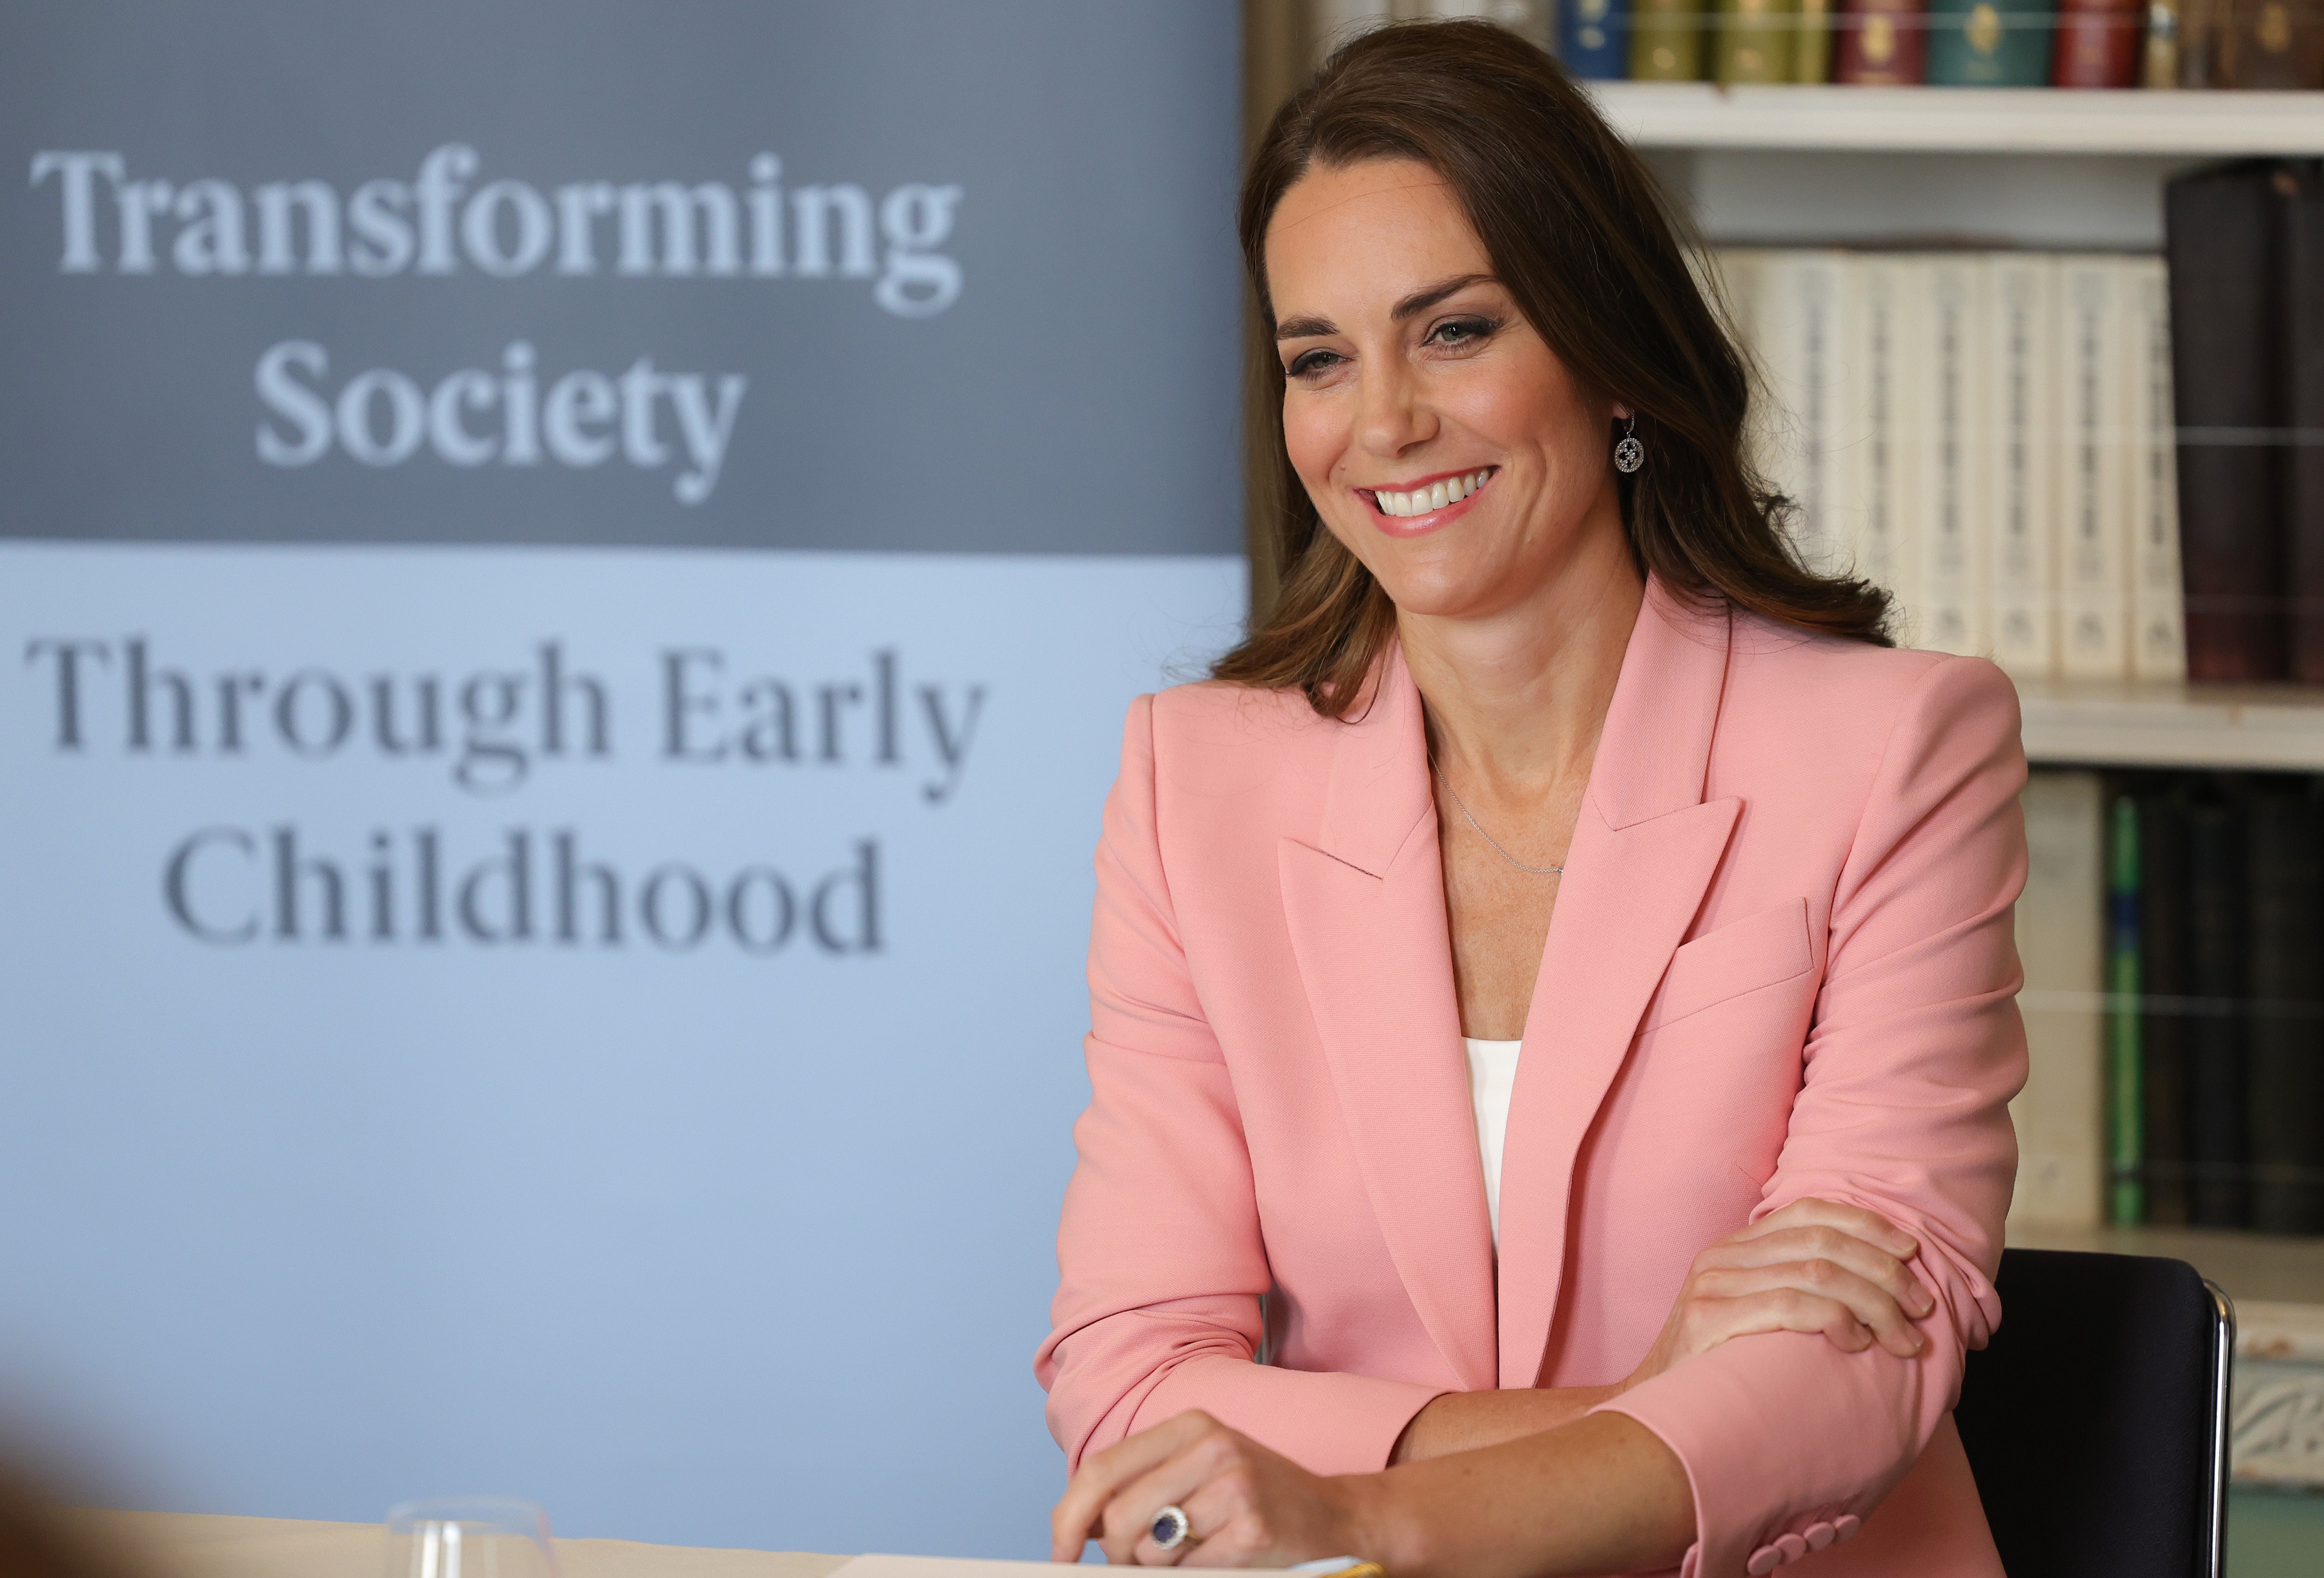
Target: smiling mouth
x=1429, y=497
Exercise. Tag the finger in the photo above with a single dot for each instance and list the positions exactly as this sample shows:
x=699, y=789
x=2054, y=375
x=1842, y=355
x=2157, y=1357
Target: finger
x=1829, y=1244
x=1129, y=1517
x=1077, y=1513
x=1869, y=1305
x=1211, y=1508
x=1853, y=1220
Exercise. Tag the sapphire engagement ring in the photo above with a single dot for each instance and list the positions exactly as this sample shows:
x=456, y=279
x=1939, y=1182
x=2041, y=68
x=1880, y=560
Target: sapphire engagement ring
x=1170, y=1528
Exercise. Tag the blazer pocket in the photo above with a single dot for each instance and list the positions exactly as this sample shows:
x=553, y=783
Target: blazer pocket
x=1743, y=955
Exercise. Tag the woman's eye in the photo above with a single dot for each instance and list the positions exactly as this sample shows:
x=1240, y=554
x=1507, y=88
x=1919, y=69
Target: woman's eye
x=1460, y=332
x=1309, y=362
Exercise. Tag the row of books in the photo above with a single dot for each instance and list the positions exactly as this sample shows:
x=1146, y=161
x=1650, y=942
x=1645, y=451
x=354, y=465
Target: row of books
x=2172, y=934
x=1966, y=44
x=1987, y=435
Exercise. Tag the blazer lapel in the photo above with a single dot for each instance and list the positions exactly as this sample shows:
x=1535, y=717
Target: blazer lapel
x=1644, y=851
x=1366, y=912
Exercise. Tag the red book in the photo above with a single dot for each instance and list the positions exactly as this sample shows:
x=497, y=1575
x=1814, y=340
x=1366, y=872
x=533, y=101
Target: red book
x=2098, y=43
x=1882, y=44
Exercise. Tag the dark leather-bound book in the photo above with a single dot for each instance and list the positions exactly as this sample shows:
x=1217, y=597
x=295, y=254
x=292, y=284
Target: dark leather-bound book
x=2162, y=980
x=2216, y=237
x=1882, y=44
x=2272, y=44
x=2098, y=43
x=2301, y=461
x=2284, y=851
x=2215, y=1038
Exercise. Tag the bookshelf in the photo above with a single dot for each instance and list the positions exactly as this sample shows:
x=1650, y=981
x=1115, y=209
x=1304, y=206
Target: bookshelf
x=2127, y=724
x=1963, y=120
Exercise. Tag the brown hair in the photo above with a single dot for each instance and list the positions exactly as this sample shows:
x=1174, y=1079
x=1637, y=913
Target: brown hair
x=1578, y=233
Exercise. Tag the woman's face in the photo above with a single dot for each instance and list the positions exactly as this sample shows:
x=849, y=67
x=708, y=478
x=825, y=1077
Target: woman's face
x=1441, y=439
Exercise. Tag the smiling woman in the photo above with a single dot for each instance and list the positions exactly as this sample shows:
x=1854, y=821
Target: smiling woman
x=1551, y=992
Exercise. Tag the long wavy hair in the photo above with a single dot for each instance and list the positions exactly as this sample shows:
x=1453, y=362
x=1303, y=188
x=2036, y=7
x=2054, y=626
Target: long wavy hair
x=1579, y=233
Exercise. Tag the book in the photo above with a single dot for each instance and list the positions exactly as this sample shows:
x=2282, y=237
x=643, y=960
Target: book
x=2098, y=43
x=2019, y=396
x=1812, y=46
x=2300, y=463
x=2162, y=983
x=1797, y=318
x=2216, y=1155
x=2125, y=1093
x=2158, y=629
x=2202, y=23
x=2217, y=228
x=2093, y=469
x=1946, y=331
x=2158, y=61
x=1882, y=44
x=2272, y=44
x=1593, y=38
x=1751, y=40
x=2060, y=943
x=1665, y=41
x=1975, y=44
x=2284, y=1060
x=1876, y=477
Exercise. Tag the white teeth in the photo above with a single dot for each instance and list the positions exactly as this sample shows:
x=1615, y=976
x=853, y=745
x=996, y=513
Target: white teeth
x=1434, y=496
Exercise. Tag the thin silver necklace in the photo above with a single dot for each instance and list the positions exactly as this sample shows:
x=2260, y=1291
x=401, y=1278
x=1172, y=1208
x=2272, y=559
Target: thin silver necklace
x=1534, y=870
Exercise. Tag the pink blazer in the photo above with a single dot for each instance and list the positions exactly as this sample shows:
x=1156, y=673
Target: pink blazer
x=1782, y=964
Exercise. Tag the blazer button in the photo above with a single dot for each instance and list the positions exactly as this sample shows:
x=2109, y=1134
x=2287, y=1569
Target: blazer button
x=1793, y=1546
x=1819, y=1535
x=1764, y=1561
x=1846, y=1525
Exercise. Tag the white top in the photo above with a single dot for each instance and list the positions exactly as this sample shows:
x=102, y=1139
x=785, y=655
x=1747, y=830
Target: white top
x=1492, y=1075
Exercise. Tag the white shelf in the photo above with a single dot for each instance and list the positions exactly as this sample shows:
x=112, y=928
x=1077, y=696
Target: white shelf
x=2119, y=724
x=1964, y=120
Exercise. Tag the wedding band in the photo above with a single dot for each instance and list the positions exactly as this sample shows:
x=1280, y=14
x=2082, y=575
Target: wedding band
x=1170, y=1528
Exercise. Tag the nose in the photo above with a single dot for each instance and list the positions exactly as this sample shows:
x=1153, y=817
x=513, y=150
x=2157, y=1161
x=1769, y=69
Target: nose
x=1394, y=416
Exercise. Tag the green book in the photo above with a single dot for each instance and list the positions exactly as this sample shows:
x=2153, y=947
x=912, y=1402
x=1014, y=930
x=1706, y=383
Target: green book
x=1665, y=41
x=2125, y=1129
x=1812, y=45
x=1753, y=39
x=1976, y=43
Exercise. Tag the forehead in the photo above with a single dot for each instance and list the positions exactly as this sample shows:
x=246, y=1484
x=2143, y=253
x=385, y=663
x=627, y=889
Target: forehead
x=1352, y=236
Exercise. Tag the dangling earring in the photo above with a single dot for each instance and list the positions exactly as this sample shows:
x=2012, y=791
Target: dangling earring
x=1628, y=453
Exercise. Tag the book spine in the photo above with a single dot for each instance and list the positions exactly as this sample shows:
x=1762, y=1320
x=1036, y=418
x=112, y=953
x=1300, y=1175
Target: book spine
x=1975, y=44
x=1811, y=48
x=2158, y=630
x=2158, y=65
x=1665, y=41
x=2215, y=1035
x=2093, y=580
x=1802, y=300
x=2216, y=223
x=1753, y=39
x=2200, y=24
x=2022, y=511
x=2163, y=977
x=2271, y=44
x=2284, y=1065
x=2126, y=1097
x=1593, y=38
x=1882, y=44
x=2062, y=946
x=2098, y=43
x=1952, y=608
x=2300, y=464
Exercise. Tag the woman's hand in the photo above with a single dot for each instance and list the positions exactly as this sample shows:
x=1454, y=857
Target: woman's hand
x=1814, y=1265
x=1245, y=1506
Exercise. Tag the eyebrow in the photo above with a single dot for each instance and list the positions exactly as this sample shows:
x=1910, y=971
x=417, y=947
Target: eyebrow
x=1419, y=302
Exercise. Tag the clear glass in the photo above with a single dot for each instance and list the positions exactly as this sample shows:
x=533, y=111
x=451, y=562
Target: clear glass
x=469, y=1536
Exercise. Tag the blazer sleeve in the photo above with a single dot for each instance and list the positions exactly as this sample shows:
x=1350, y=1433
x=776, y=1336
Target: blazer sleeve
x=1916, y=1050
x=1161, y=1262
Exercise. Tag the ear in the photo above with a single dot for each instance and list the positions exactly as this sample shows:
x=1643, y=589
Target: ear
x=1622, y=413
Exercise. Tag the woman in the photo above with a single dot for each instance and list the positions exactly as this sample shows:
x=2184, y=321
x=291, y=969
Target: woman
x=1551, y=747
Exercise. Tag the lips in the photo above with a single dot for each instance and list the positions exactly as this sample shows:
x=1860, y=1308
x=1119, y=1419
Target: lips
x=1427, y=503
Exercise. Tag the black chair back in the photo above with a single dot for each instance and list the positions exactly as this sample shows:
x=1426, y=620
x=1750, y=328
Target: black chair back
x=2096, y=1420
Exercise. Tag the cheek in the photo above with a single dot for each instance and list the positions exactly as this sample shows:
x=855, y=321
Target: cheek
x=1315, y=436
